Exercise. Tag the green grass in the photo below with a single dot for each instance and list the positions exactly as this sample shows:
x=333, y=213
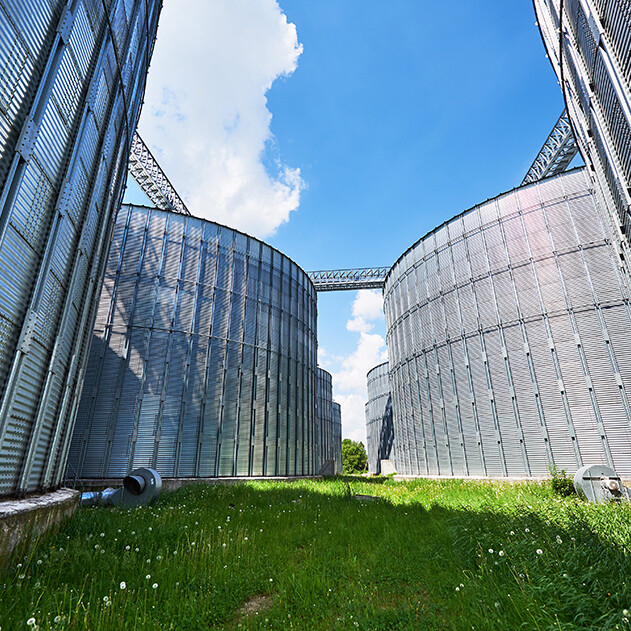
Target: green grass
x=308, y=555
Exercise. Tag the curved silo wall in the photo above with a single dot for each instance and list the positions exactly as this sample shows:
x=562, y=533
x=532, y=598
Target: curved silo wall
x=203, y=362
x=379, y=425
x=337, y=436
x=324, y=418
x=508, y=336
x=72, y=77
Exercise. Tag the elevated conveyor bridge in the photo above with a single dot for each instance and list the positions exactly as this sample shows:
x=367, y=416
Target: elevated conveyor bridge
x=554, y=157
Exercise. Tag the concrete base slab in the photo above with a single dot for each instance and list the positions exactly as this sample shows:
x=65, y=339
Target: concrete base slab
x=28, y=518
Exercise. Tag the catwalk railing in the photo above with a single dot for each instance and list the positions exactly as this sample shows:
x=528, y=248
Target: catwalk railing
x=147, y=173
x=556, y=154
x=349, y=279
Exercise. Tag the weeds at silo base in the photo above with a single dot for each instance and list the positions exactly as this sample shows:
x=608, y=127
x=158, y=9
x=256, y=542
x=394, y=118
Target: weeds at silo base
x=279, y=555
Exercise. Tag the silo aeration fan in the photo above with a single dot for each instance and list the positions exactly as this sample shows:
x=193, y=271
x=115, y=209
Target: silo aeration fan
x=140, y=487
x=599, y=484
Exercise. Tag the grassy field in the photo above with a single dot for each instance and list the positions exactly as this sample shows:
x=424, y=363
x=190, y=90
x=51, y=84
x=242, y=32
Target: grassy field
x=311, y=555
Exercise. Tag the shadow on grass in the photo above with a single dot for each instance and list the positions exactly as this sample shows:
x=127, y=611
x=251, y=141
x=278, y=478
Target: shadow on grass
x=429, y=556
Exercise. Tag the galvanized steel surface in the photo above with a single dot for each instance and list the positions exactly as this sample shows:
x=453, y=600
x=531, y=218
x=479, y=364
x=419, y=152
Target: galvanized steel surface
x=508, y=336
x=337, y=436
x=72, y=77
x=203, y=362
x=589, y=45
x=329, y=426
x=379, y=421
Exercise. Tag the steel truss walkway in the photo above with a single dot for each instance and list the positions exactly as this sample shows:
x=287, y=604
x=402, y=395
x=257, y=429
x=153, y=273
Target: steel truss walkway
x=147, y=173
x=556, y=154
x=554, y=157
x=347, y=279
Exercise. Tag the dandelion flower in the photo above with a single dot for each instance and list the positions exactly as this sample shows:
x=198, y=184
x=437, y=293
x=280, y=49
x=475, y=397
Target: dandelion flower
x=490, y=550
x=155, y=586
x=457, y=589
x=57, y=619
x=30, y=622
x=501, y=553
x=127, y=547
x=105, y=598
x=539, y=551
x=148, y=576
x=123, y=585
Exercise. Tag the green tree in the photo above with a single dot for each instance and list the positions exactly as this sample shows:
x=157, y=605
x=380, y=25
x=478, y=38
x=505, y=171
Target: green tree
x=354, y=458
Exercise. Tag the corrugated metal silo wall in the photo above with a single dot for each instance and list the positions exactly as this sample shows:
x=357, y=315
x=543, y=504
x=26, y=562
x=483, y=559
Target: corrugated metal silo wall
x=203, y=362
x=337, y=436
x=593, y=62
x=509, y=339
x=379, y=426
x=324, y=416
x=72, y=77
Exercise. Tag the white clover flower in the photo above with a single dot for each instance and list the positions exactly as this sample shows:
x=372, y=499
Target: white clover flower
x=123, y=585
x=539, y=551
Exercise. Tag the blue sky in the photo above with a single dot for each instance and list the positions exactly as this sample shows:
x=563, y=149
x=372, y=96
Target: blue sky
x=341, y=131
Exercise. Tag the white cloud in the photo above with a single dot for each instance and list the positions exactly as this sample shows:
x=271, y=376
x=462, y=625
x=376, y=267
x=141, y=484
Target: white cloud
x=349, y=372
x=205, y=116
x=368, y=305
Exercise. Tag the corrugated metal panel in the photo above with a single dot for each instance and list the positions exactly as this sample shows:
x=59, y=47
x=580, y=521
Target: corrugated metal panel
x=63, y=181
x=211, y=376
x=519, y=340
